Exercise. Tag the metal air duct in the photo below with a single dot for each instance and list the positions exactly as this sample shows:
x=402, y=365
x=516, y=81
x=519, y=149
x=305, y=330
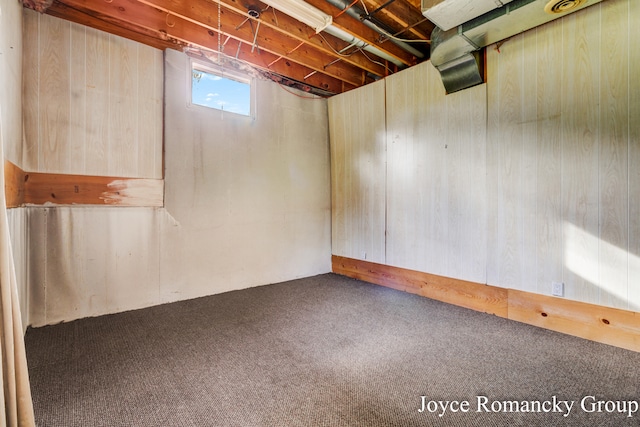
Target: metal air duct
x=455, y=52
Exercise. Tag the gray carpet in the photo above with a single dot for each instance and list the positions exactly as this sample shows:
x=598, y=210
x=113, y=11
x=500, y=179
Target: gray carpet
x=322, y=351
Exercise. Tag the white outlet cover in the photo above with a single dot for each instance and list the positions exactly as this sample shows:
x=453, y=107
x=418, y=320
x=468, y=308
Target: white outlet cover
x=557, y=289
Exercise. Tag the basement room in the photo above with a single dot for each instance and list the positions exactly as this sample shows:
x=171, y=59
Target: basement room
x=320, y=213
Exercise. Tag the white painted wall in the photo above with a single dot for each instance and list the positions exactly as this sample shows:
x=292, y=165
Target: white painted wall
x=247, y=201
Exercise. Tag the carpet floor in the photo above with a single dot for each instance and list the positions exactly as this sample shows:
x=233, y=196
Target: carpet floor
x=324, y=351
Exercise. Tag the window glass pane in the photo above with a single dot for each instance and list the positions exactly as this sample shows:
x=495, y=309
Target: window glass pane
x=222, y=93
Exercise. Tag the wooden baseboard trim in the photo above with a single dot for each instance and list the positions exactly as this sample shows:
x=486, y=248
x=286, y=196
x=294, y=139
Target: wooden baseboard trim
x=488, y=299
x=620, y=328
x=38, y=189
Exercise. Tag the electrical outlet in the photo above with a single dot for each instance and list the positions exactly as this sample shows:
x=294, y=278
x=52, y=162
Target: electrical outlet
x=557, y=289
x=364, y=255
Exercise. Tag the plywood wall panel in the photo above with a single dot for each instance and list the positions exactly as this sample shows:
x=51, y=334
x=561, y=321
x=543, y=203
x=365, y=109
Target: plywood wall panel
x=580, y=114
x=149, y=129
x=11, y=78
x=476, y=186
x=96, y=149
x=548, y=215
x=338, y=174
x=613, y=156
x=492, y=151
x=123, y=109
x=432, y=148
x=435, y=153
x=470, y=120
x=454, y=183
x=574, y=196
x=30, y=90
x=529, y=155
x=634, y=158
x=93, y=102
x=357, y=129
x=53, y=101
x=506, y=162
x=77, y=98
x=407, y=164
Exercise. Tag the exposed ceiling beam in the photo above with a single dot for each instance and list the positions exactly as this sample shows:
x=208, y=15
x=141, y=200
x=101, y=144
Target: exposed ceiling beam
x=204, y=12
x=364, y=33
x=281, y=67
x=151, y=38
x=350, y=53
x=233, y=25
x=399, y=12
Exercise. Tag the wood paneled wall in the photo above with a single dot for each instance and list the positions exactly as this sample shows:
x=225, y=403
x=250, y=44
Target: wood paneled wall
x=10, y=78
x=11, y=133
x=436, y=191
x=563, y=137
x=358, y=172
x=404, y=157
x=92, y=101
x=546, y=191
x=634, y=156
x=247, y=203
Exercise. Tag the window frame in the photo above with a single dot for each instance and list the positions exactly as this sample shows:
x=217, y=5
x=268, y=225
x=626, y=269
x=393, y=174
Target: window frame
x=225, y=73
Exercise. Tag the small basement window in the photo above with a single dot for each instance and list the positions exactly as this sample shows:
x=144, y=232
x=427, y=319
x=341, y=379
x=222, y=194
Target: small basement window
x=222, y=89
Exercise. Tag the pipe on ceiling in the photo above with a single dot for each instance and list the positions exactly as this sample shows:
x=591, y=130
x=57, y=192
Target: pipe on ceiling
x=357, y=13
x=354, y=41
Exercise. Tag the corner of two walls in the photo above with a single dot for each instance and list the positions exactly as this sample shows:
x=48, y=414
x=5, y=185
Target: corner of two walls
x=518, y=183
x=247, y=203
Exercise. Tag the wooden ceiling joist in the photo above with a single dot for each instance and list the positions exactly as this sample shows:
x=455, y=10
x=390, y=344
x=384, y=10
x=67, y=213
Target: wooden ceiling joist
x=398, y=11
x=358, y=29
x=296, y=72
x=150, y=38
x=271, y=41
x=204, y=12
x=138, y=14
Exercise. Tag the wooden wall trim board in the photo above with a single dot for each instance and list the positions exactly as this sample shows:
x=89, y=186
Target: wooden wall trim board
x=620, y=328
x=13, y=185
x=488, y=299
x=613, y=326
x=26, y=188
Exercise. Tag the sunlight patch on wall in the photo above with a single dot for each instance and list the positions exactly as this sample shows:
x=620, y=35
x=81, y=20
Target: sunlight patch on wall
x=583, y=254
